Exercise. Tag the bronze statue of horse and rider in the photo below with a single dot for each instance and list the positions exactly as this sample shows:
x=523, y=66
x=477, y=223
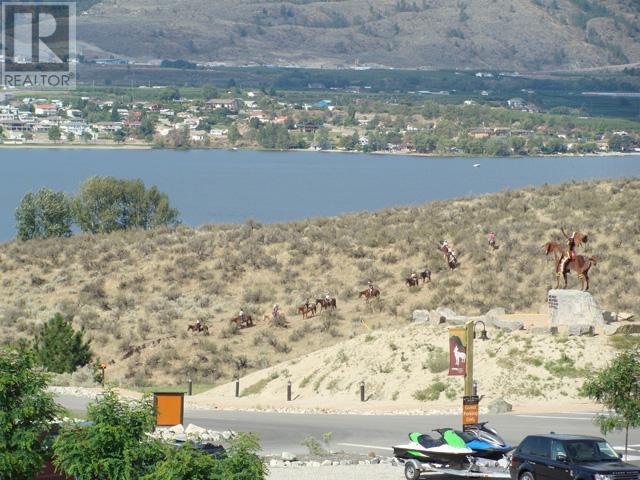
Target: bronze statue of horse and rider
x=568, y=260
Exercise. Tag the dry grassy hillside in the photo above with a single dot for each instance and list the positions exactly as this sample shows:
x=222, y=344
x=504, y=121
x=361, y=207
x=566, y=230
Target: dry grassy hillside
x=509, y=34
x=135, y=292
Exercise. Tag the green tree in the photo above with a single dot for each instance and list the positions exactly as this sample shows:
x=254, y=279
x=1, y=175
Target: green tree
x=55, y=134
x=115, y=446
x=71, y=136
x=25, y=412
x=119, y=136
x=209, y=92
x=43, y=214
x=233, y=135
x=616, y=387
x=59, y=348
x=322, y=139
x=106, y=204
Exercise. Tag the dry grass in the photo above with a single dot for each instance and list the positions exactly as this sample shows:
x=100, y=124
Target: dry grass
x=135, y=292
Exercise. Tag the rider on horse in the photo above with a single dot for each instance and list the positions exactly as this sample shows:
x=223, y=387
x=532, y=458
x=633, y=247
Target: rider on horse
x=370, y=284
x=448, y=251
x=307, y=304
x=198, y=325
x=573, y=240
x=491, y=238
x=241, y=315
x=276, y=311
x=414, y=276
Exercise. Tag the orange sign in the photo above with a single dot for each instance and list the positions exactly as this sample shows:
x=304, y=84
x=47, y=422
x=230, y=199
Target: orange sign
x=169, y=408
x=470, y=411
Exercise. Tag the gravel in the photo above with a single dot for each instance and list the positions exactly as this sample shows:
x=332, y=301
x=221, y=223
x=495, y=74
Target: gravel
x=349, y=472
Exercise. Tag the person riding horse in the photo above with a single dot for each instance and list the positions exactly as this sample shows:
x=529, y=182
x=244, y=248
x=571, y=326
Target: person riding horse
x=448, y=251
x=276, y=311
x=371, y=288
x=241, y=316
x=573, y=240
x=198, y=325
x=491, y=238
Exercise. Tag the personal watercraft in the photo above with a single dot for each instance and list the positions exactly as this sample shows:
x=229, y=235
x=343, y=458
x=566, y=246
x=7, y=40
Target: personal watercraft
x=484, y=441
x=448, y=450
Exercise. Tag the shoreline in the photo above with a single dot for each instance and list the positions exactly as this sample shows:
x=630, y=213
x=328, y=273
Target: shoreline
x=43, y=146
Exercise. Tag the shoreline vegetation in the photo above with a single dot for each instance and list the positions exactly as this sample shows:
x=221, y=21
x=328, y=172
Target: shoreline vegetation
x=312, y=150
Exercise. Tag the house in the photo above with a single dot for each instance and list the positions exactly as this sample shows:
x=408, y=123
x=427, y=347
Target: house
x=259, y=114
x=482, y=132
x=231, y=104
x=76, y=127
x=307, y=127
x=198, y=136
x=107, y=127
x=45, y=109
x=281, y=119
x=517, y=103
x=219, y=132
x=363, y=119
x=323, y=104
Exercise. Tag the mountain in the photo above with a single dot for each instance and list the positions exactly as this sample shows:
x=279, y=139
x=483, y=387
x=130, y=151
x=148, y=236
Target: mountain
x=491, y=34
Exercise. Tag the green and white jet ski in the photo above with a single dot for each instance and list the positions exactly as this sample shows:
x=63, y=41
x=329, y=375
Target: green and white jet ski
x=449, y=450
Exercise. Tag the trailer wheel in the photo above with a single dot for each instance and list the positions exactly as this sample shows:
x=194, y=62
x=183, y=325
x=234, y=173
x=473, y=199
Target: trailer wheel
x=411, y=472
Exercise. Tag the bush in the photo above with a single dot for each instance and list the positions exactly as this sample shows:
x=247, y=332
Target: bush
x=44, y=214
x=106, y=204
x=23, y=398
x=431, y=393
x=59, y=348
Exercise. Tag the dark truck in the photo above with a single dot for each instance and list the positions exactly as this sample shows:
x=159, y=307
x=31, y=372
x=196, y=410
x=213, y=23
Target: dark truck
x=569, y=457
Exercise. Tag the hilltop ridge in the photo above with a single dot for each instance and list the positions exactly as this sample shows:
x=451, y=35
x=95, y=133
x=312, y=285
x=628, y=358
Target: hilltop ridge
x=491, y=34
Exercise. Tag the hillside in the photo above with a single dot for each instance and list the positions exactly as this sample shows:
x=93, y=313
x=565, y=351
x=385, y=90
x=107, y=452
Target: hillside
x=501, y=34
x=135, y=292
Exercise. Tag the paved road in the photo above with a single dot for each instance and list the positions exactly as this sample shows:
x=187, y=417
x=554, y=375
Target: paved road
x=364, y=433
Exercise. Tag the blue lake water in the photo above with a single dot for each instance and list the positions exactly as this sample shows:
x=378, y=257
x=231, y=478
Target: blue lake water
x=219, y=186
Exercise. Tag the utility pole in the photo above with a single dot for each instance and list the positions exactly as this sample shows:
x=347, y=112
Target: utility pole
x=468, y=374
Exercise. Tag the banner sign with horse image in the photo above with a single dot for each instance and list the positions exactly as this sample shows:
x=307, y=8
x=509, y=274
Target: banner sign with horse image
x=457, y=351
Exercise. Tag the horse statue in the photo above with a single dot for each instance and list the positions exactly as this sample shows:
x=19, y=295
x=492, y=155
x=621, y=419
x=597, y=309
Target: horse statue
x=324, y=303
x=563, y=265
x=412, y=281
x=307, y=310
x=426, y=275
x=449, y=255
x=244, y=322
x=369, y=293
x=195, y=328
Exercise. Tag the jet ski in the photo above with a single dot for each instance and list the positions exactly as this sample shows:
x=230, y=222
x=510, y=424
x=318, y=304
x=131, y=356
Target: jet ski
x=448, y=450
x=484, y=441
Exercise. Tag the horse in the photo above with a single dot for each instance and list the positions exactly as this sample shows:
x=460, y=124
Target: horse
x=278, y=320
x=369, y=293
x=580, y=265
x=426, y=275
x=412, y=281
x=195, y=329
x=247, y=321
x=449, y=256
x=306, y=310
x=324, y=303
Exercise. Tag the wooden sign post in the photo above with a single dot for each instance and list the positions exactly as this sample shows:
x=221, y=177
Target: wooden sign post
x=169, y=408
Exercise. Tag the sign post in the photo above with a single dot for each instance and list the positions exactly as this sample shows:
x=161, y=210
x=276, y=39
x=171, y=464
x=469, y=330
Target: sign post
x=470, y=410
x=169, y=408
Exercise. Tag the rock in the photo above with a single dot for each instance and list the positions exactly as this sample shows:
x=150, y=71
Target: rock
x=436, y=318
x=609, y=316
x=463, y=319
x=579, y=330
x=326, y=463
x=510, y=325
x=314, y=464
x=495, y=313
x=345, y=462
x=275, y=463
x=298, y=463
x=569, y=307
x=625, y=316
x=227, y=434
x=540, y=331
x=499, y=405
x=335, y=463
x=375, y=460
x=177, y=429
x=622, y=328
x=194, y=430
x=420, y=316
x=445, y=312
x=290, y=457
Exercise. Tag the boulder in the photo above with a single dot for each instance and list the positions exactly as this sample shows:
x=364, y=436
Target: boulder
x=276, y=463
x=445, y=312
x=326, y=463
x=289, y=457
x=177, y=429
x=314, y=464
x=495, y=313
x=436, y=317
x=622, y=328
x=420, y=316
x=504, y=324
x=463, y=319
x=569, y=307
x=195, y=431
x=577, y=330
x=499, y=405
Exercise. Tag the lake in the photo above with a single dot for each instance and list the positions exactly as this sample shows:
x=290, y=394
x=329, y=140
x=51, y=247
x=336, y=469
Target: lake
x=220, y=186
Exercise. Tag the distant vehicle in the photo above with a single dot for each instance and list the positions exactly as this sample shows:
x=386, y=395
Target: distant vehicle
x=569, y=457
x=476, y=165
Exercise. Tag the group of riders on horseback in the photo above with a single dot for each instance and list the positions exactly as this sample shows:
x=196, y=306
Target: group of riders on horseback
x=565, y=260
